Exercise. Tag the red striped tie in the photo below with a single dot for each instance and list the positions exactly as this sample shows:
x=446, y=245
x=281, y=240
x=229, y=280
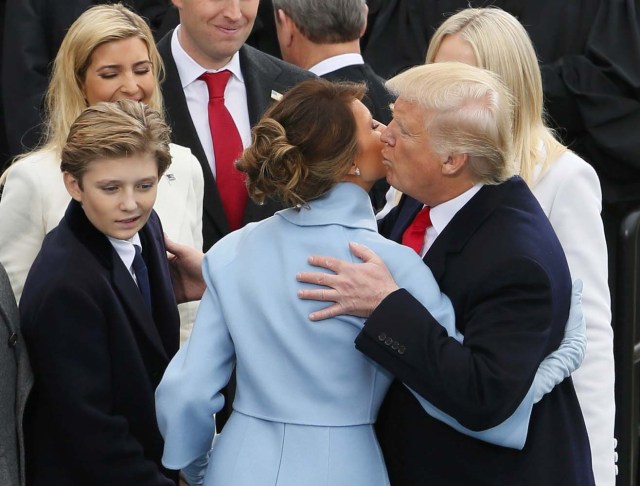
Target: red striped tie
x=414, y=235
x=227, y=147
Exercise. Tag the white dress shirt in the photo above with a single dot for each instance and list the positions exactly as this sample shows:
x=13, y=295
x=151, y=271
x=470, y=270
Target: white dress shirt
x=197, y=95
x=336, y=62
x=127, y=252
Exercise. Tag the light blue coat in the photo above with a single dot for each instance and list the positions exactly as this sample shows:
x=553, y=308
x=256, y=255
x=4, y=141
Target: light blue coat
x=306, y=399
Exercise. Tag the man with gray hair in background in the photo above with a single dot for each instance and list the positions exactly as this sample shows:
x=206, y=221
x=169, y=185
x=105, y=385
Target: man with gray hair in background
x=324, y=38
x=493, y=251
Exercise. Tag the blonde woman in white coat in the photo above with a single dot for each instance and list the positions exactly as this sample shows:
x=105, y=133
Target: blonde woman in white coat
x=108, y=54
x=568, y=190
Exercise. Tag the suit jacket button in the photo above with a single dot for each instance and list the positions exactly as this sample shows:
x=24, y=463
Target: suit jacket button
x=388, y=341
x=395, y=345
x=401, y=349
x=382, y=336
x=13, y=339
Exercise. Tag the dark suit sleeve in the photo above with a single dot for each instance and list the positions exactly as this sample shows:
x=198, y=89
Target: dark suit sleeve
x=507, y=329
x=68, y=343
x=595, y=96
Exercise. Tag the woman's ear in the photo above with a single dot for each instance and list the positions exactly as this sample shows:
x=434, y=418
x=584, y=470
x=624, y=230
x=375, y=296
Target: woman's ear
x=454, y=164
x=73, y=186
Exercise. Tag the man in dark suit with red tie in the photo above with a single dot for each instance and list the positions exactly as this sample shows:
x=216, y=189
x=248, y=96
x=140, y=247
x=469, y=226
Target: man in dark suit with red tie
x=494, y=253
x=209, y=44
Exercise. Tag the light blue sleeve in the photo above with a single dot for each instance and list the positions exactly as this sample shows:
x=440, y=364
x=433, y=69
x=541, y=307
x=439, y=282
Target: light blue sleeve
x=189, y=393
x=568, y=357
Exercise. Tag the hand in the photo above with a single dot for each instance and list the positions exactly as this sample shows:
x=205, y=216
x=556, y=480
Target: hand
x=356, y=288
x=185, y=264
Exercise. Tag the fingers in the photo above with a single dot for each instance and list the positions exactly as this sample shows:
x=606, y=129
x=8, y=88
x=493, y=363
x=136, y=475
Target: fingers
x=330, y=263
x=317, y=278
x=327, y=312
x=363, y=252
x=318, y=294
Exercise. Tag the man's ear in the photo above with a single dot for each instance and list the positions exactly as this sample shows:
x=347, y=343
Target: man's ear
x=365, y=7
x=177, y=3
x=454, y=164
x=73, y=186
x=284, y=26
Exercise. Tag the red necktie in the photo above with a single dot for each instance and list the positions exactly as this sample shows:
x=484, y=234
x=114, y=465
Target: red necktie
x=227, y=147
x=414, y=235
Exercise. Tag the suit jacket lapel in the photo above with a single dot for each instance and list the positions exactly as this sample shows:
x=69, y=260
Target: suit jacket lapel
x=462, y=227
x=260, y=80
x=141, y=319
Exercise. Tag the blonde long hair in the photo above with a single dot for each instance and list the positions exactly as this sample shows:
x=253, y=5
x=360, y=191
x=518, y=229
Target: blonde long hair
x=501, y=45
x=65, y=100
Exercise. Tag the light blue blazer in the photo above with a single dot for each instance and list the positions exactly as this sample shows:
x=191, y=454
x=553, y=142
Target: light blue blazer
x=306, y=399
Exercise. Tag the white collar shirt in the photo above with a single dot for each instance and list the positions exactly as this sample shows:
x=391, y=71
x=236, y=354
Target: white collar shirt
x=126, y=251
x=197, y=96
x=336, y=62
x=442, y=214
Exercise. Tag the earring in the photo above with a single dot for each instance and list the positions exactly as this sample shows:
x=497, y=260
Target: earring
x=357, y=172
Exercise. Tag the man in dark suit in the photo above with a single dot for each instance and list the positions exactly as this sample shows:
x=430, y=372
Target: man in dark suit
x=494, y=253
x=211, y=38
x=324, y=37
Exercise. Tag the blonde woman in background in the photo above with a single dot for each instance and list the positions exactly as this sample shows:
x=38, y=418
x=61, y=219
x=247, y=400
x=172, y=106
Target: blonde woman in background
x=108, y=54
x=566, y=187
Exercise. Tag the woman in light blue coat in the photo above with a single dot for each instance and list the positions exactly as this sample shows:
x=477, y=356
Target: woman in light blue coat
x=306, y=400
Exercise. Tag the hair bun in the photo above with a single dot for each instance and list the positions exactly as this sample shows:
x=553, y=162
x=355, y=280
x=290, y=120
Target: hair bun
x=273, y=165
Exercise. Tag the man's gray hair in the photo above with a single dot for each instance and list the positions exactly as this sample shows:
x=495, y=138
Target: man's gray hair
x=326, y=21
x=468, y=111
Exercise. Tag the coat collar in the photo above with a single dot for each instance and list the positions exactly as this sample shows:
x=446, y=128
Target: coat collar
x=346, y=204
x=98, y=245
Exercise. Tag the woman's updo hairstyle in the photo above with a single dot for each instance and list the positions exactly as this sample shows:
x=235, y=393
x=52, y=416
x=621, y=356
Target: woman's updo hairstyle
x=304, y=144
